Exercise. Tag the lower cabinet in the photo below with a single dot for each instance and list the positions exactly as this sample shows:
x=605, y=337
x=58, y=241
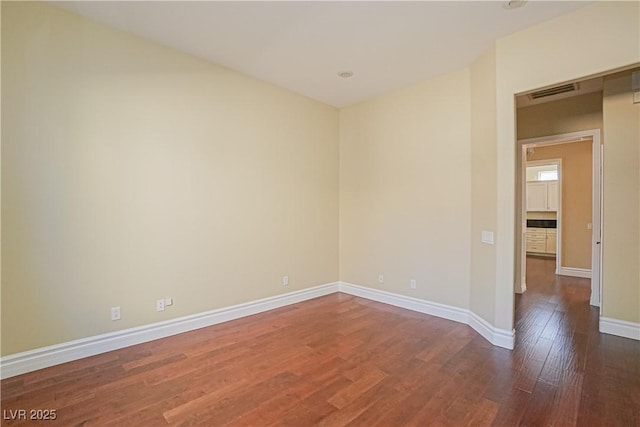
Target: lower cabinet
x=541, y=240
x=552, y=237
x=536, y=240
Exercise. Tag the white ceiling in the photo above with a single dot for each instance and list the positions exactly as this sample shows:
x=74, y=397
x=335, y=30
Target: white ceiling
x=302, y=46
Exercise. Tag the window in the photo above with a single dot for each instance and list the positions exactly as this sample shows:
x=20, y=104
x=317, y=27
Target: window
x=548, y=175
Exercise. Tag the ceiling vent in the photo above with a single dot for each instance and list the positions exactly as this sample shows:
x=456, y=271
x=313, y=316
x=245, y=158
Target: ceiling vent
x=557, y=90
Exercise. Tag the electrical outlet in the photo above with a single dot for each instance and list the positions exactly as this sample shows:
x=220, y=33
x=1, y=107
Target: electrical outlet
x=285, y=280
x=115, y=313
x=160, y=305
x=412, y=283
x=380, y=278
x=168, y=302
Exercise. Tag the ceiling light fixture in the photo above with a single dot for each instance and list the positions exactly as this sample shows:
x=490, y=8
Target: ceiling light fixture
x=345, y=74
x=514, y=4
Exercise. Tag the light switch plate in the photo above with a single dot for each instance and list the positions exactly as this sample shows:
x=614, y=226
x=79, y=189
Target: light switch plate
x=636, y=97
x=487, y=237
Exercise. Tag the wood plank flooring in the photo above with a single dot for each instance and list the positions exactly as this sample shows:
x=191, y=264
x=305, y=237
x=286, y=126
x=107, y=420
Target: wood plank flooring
x=341, y=360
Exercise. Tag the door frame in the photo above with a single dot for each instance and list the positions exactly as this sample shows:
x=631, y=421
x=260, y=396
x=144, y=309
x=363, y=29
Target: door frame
x=596, y=204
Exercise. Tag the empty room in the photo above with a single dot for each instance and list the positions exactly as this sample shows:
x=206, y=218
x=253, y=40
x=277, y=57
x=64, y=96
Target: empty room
x=320, y=213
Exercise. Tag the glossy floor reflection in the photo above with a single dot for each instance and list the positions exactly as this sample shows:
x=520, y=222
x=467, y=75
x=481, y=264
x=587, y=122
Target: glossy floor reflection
x=342, y=360
x=584, y=378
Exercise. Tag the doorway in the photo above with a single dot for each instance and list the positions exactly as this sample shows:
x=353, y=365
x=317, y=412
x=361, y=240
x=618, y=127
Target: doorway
x=571, y=259
x=542, y=207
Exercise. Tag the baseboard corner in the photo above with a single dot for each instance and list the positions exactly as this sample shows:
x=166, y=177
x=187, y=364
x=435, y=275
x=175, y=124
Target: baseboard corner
x=498, y=337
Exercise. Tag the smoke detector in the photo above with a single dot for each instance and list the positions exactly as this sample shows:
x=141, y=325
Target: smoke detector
x=514, y=4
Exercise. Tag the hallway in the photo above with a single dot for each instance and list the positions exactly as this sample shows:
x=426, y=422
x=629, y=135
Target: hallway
x=577, y=376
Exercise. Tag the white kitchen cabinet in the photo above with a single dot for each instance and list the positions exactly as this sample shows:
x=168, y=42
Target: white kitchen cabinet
x=552, y=237
x=541, y=240
x=537, y=196
x=552, y=195
x=536, y=240
x=542, y=196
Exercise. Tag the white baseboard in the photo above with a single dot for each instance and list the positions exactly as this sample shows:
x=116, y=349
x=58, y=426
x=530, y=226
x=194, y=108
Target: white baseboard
x=621, y=328
x=44, y=357
x=498, y=337
x=410, y=303
x=574, y=272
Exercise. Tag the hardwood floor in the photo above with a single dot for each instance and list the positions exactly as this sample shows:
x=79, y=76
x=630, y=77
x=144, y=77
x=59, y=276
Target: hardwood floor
x=341, y=360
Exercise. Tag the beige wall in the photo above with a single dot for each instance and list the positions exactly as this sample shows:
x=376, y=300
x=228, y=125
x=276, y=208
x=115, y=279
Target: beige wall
x=483, y=179
x=621, y=216
x=405, y=191
x=582, y=112
x=532, y=59
x=577, y=171
x=131, y=172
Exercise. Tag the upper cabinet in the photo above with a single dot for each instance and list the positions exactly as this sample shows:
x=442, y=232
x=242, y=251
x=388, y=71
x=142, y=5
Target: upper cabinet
x=536, y=196
x=542, y=196
x=552, y=195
